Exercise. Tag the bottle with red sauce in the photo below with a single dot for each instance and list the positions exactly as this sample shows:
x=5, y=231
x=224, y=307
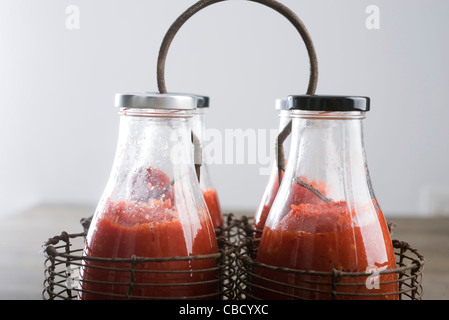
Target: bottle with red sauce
x=325, y=217
x=152, y=207
x=272, y=186
x=207, y=186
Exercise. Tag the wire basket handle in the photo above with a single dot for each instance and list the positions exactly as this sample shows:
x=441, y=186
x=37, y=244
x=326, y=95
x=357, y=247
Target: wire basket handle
x=280, y=8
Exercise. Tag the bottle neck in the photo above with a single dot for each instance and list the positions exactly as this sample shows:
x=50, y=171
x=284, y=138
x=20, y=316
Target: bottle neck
x=284, y=119
x=328, y=147
x=199, y=123
x=161, y=140
x=199, y=128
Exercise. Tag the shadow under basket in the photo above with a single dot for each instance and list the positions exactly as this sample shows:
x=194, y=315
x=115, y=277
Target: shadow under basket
x=233, y=275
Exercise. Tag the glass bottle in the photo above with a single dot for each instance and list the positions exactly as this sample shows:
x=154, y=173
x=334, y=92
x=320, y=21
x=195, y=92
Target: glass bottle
x=325, y=216
x=152, y=207
x=209, y=191
x=273, y=181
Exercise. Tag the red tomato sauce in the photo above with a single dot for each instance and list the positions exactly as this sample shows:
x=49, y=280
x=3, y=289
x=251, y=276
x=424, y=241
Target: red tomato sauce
x=298, y=194
x=322, y=237
x=150, y=230
x=213, y=204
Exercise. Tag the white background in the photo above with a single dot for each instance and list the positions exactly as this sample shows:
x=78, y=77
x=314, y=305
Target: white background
x=58, y=125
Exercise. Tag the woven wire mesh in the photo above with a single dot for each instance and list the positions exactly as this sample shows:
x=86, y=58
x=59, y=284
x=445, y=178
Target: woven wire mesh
x=65, y=261
x=236, y=271
x=285, y=283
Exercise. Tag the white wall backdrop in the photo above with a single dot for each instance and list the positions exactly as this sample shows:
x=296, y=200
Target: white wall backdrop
x=58, y=125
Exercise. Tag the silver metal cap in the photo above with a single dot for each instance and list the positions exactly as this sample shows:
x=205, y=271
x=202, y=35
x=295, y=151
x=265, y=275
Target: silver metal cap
x=281, y=104
x=152, y=100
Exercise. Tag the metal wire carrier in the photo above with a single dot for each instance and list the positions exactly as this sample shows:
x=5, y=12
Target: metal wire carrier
x=64, y=260
x=285, y=283
x=236, y=276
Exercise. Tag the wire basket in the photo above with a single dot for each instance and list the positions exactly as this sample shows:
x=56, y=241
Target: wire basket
x=236, y=275
x=136, y=277
x=283, y=283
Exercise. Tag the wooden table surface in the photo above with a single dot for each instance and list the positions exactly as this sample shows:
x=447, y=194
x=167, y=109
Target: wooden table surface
x=22, y=269
x=430, y=236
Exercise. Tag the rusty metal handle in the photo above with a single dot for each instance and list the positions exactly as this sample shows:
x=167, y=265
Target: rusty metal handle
x=280, y=8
